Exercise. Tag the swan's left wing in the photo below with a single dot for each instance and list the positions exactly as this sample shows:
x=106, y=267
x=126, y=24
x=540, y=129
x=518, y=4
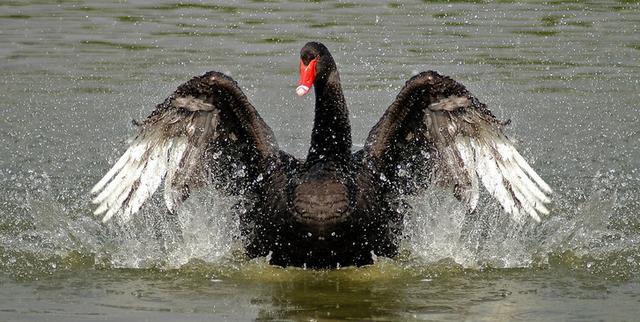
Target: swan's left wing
x=437, y=132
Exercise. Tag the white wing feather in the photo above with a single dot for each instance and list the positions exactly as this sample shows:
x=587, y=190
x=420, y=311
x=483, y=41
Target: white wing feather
x=472, y=194
x=137, y=174
x=175, y=155
x=488, y=154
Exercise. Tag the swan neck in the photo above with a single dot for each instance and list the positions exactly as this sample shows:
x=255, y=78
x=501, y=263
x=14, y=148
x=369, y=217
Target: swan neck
x=331, y=134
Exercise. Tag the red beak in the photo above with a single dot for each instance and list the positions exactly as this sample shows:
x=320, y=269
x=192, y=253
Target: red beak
x=307, y=77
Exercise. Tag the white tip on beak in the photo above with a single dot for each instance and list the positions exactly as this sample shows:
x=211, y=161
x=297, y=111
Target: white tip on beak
x=301, y=90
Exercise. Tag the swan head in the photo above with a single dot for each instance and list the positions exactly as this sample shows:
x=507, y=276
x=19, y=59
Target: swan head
x=315, y=62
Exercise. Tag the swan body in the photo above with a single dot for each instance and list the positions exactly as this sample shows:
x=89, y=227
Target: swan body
x=334, y=208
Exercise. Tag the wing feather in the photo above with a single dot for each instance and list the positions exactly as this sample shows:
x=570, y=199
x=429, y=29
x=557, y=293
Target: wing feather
x=465, y=142
x=174, y=144
x=471, y=193
x=145, y=164
x=171, y=197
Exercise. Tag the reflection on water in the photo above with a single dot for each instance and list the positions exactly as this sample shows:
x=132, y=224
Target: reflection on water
x=386, y=291
x=75, y=73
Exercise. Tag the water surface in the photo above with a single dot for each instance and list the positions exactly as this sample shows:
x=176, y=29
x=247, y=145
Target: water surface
x=75, y=73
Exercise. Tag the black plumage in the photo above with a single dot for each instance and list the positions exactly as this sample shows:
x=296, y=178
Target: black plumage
x=336, y=207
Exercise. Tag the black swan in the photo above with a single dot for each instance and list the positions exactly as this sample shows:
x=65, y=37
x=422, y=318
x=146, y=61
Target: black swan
x=337, y=207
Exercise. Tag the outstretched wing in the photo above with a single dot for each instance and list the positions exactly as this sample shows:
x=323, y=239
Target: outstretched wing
x=205, y=132
x=437, y=132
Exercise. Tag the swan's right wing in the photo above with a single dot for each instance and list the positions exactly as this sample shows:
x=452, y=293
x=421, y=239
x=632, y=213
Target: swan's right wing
x=205, y=133
x=437, y=132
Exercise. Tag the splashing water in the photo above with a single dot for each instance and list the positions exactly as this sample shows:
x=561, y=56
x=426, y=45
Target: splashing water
x=205, y=227
x=593, y=235
x=591, y=232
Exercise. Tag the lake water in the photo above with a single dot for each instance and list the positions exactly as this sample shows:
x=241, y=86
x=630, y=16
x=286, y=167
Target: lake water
x=75, y=73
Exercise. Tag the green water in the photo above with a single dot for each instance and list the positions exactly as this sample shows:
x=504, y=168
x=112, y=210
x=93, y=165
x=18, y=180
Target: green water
x=75, y=73
x=381, y=292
